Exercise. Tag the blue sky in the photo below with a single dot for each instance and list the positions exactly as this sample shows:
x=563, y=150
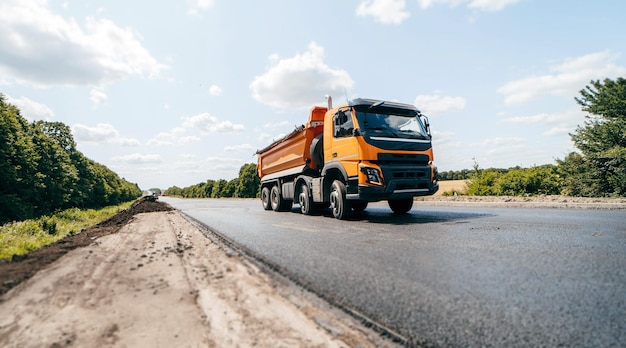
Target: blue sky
x=178, y=92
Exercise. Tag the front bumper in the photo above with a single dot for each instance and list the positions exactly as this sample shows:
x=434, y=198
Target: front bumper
x=395, y=189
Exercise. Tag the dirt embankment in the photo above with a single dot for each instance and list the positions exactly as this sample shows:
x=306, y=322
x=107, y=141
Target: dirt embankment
x=153, y=280
x=20, y=268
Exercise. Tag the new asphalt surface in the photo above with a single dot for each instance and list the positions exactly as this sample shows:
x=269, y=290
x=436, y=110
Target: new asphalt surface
x=449, y=275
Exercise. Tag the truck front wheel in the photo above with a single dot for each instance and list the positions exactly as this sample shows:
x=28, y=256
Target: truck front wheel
x=265, y=198
x=338, y=202
x=400, y=206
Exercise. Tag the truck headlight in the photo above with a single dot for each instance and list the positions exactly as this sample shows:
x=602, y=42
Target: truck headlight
x=372, y=175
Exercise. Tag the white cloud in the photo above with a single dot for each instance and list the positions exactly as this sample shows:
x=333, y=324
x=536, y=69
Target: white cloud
x=559, y=123
x=210, y=124
x=203, y=122
x=215, y=90
x=31, y=110
x=482, y=5
x=38, y=47
x=565, y=79
x=243, y=148
x=384, y=11
x=176, y=136
x=299, y=81
x=222, y=164
x=501, y=145
x=266, y=138
x=103, y=133
x=445, y=140
x=137, y=158
x=98, y=96
x=199, y=5
x=437, y=104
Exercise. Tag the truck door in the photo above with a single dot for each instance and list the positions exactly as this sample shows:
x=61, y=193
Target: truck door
x=344, y=148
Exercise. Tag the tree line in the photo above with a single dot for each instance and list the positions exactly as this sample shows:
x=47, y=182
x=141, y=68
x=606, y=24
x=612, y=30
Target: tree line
x=42, y=172
x=244, y=186
x=598, y=169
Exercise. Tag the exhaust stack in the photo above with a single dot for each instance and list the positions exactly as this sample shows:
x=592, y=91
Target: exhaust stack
x=329, y=99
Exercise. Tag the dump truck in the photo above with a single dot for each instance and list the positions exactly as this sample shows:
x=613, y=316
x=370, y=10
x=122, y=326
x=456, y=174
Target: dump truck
x=344, y=157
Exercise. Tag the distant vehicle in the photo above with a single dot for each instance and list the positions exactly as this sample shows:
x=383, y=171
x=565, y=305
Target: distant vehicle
x=344, y=157
x=150, y=196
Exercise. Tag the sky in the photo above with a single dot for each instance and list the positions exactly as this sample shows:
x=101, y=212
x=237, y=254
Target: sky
x=174, y=93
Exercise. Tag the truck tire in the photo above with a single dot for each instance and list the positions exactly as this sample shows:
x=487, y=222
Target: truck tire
x=265, y=198
x=400, y=206
x=277, y=201
x=338, y=202
x=305, y=200
x=358, y=206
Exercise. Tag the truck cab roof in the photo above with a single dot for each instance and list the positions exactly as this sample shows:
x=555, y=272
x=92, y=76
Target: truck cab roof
x=381, y=103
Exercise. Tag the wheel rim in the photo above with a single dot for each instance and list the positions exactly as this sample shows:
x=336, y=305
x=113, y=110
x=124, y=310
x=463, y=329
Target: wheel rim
x=302, y=199
x=274, y=198
x=265, y=197
x=334, y=198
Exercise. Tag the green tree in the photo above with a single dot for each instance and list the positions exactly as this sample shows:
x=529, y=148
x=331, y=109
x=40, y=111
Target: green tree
x=208, y=188
x=248, y=183
x=41, y=171
x=601, y=141
x=18, y=165
x=56, y=176
x=219, y=188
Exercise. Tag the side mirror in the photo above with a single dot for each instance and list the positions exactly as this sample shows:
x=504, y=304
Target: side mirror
x=426, y=124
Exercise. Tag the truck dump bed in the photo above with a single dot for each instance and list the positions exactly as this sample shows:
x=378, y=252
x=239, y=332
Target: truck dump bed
x=292, y=153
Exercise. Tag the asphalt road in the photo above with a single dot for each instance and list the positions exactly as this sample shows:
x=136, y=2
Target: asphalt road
x=451, y=276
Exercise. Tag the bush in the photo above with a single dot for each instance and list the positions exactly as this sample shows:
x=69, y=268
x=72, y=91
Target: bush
x=539, y=180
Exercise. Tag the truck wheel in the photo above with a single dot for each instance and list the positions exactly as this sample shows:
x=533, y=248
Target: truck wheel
x=277, y=201
x=359, y=206
x=265, y=198
x=305, y=200
x=400, y=206
x=338, y=202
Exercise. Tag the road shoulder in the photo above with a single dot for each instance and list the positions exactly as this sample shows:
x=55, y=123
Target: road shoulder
x=160, y=282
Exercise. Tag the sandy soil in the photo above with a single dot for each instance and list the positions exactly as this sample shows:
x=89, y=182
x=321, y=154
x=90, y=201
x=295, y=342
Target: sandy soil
x=158, y=282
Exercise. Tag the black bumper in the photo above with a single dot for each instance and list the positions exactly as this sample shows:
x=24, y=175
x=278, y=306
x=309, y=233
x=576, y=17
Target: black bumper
x=395, y=189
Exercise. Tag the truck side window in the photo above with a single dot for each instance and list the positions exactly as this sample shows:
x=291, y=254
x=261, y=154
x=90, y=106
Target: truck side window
x=343, y=124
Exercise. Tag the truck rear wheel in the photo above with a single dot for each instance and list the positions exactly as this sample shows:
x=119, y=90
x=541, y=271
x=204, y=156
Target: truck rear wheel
x=277, y=201
x=400, y=206
x=305, y=200
x=265, y=198
x=338, y=202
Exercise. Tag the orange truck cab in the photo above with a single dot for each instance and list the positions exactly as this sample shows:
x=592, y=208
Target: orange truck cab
x=344, y=157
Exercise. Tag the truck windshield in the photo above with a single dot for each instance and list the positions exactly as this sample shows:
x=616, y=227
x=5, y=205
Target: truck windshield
x=391, y=125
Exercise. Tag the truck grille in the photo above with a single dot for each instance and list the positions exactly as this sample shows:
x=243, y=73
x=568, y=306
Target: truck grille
x=391, y=158
x=407, y=174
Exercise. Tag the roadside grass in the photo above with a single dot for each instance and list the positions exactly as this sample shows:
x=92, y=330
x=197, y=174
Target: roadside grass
x=18, y=238
x=449, y=187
